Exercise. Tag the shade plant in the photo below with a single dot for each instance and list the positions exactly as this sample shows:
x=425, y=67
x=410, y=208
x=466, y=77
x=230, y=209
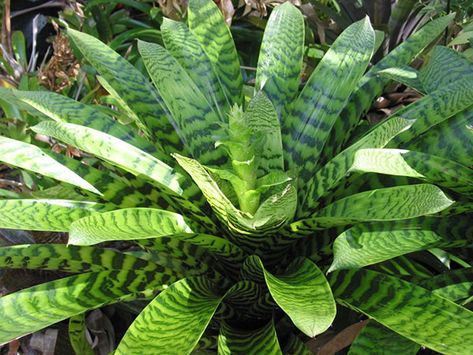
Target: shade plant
x=245, y=220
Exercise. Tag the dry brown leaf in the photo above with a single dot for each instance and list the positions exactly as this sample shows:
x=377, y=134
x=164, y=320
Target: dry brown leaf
x=227, y=9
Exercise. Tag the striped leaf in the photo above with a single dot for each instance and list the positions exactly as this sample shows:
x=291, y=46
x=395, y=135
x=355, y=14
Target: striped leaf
x=409, y=310
x=405, y=75
x=367, y=244
x=113, y=150
x=451, y=139
x=433, y=74
x=440, y=105
x=281, y=55
x=304, y=294
x=263, y=123
x=126, y=224
x=429, y=168
x=374, y=338
x=132, y=87
x=44, y=215
x=259, y=341
x=454, y=285
x=183, y=46
x=62, y=108
x=372, y=84
x=196, y=121
x=30, y=157
x=40, y=306
x=69, y=258
x=387, y=204
x=207, y=24
x=174, y=321
x=77, y=335
x=314, y=112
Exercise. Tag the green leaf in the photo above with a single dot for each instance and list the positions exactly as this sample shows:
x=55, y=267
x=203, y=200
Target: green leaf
x=30, y=157
x=77, y=335
x=114, y=150
x=69, y=258
x=263, y=340
x=368, y=244
x=314, y=112
x=207, y=24
x=438, y=106
x=433, y=74
x=451, y=139
x=174, y=321
x=132, y=87
x=374, y=337
x=386, y=204
x=183, y=46
x=126, y=224
x=409, y=310
x=405, y=75
x=455, y=285
x=62, y=108
x=423, y=166
x=263, y=123
x=281, y=55
x=37, y=307
x=44, y=215
x=196, y=121
x=372, y=84
x=304, y=294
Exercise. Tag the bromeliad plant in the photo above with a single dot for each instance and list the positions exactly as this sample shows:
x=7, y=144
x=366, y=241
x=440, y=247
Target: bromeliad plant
x=254, y=216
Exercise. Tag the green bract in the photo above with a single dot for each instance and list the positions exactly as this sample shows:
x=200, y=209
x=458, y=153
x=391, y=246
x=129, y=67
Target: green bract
x=250, y=218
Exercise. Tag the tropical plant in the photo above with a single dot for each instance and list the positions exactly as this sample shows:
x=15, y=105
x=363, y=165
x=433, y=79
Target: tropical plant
x=253, y=215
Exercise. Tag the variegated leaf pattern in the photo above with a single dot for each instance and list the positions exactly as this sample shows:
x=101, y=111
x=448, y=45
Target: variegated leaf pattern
x=126, y=224
x=54, y=301
x=44, y=215
x=70, y=258
x=314, y=112
x=315, y=308
x=193, y=115
x=260, y=341
x=184, y=308
x=183, y=46
x=209, y=28
x=280, y=60
x=132, y=87
x=403, y=309
x=77, y=335
x=372, y=84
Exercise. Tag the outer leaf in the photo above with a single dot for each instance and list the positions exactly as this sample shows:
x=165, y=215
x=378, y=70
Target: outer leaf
x=183, y=46
x=387, y=204
x=440, y=105
x=375, y=338
x=114, y=150
x=433, y=75
x=133, y=88
x=373, y=84
x=281, y=56
x=196, y=121
x=77, y=335
x=69, y=258
x=313, y=114
x=174, y=321
x=44, y=215
x=304, y=294
x=126, y=224
x=208, y=26
x=259, y=341
x=369, y=244
x=30, y=157
x=423, y=166
x=409, y=310
x=39, y=306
